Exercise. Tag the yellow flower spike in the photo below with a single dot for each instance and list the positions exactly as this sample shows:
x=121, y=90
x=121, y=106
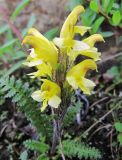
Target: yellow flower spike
x=49, y=94
x=67, y=30
x=76, y=76
x=93, y=39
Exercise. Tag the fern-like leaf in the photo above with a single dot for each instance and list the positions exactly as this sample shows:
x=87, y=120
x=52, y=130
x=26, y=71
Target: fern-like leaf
x=20, y=93
x=39, y=146
x=74, y=149
x=71, y=114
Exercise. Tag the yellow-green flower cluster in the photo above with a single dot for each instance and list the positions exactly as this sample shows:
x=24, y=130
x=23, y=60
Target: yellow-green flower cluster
x=47, y=56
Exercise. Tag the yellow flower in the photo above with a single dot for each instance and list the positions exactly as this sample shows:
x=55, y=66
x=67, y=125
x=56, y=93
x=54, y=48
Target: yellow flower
x=49, y=94
x=66, y=42
x=76, y=76
x=43, y=50
x=91, y=40
x=68, y=28
x=43, y=70
x=91, y=51
x=72, y=47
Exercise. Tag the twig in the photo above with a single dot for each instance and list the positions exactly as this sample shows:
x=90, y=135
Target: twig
x=61, y=151
x=99, y=101
x=111, y=57
x=105, y=126
x=111, y=144
x=98, y=121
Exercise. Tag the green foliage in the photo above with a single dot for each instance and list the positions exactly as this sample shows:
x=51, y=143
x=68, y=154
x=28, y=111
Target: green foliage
x=24, y=155
x=72, y=148
x=107, y=5
x=74, y=3
x=6, y=46
x=99, y=12
x=30, y=23
x=71, y=113
x=119, y=137
x=118, y=127
x=97, y=24
x=116, y=18
x=51, y=33
x=16, y=66
x=115, y=72
x=19, y=9
x=107, y=34
x=94, y=5
x=2, y=98
x=40, y=146
x=3, y=28
x=20, y=93
x=42, y=157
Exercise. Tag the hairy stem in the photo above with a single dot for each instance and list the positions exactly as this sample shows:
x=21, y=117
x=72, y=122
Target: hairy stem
x=56, y=133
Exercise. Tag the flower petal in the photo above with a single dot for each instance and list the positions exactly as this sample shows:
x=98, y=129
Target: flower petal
x=72, y=82
x=81, y=29
x=75, y=76
x=32, y=53
x=36, y=33
x=93, y=39
x=81, y=68
x=43, y=49
x=54, y=101
x=44, y=105
x=37, y=96
x=59, y=42
x=33, y=63
x=80, y=46
x=88, y=53
x=86, y=85
x=67, y=30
